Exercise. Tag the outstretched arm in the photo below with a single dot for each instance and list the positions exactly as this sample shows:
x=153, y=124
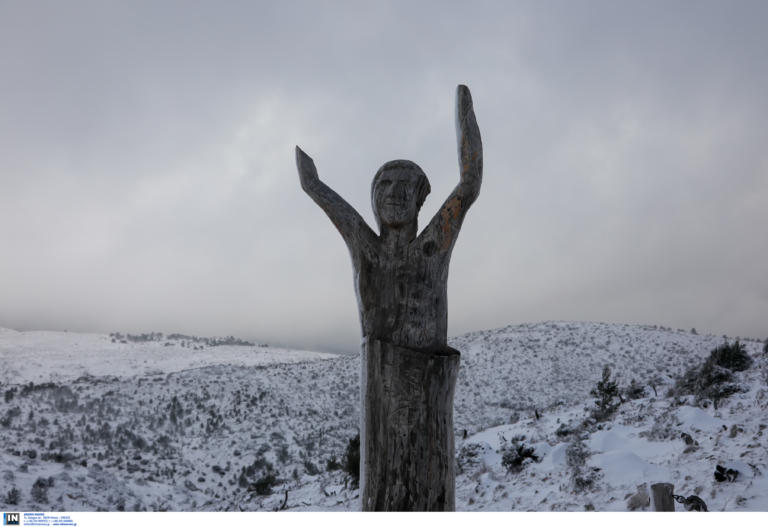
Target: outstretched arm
x=470, y=147
x=346, y=219
x=446, y=224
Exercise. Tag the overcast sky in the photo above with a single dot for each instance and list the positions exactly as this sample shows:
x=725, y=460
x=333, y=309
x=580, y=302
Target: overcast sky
x=147, y=178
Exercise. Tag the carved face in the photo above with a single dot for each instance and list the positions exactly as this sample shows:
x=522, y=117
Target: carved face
x=399, y=189
x=395, y=198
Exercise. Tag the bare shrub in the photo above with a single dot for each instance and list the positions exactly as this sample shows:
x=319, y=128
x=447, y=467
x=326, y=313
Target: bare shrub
x=582, y=477
x=13, y=496
x=515, y=453
x=39, y=492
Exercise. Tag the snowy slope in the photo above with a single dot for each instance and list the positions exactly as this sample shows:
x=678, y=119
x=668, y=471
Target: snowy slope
x=549, y=363
x=641, y=445
x=42, y=356
x=194, y=429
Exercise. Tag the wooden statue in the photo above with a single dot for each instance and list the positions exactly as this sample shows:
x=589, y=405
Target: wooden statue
x=408, y=370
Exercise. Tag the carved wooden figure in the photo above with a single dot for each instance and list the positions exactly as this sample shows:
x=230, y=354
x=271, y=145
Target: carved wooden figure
x=409, y=372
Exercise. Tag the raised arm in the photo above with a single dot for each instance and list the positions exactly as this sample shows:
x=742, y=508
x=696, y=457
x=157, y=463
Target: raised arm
x=469, y=146
x=346, y=219
x=444, y=227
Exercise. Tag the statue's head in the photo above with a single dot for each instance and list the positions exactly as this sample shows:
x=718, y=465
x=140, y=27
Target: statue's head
x=398, y=191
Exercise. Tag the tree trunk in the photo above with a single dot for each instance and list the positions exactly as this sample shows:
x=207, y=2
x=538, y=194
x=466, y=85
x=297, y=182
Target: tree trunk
x=406, y=444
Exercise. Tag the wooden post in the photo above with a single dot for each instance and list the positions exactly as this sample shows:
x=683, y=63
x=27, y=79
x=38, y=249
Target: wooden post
x=407, y=453
x=661, y=497
x=401, y=280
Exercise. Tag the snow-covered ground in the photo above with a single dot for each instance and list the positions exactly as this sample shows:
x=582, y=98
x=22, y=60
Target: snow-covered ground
x=43, y=356
x=91, y=424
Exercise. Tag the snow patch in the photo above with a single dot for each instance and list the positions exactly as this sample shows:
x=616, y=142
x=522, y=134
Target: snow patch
x=697, y=419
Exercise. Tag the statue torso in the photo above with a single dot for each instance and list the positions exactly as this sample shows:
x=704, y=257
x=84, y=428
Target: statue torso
x=402, y=294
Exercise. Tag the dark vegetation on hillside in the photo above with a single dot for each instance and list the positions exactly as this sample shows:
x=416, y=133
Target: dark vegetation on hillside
x=607, y=397
x=185, y=339
x=714, y=379
x=515, y=454
x=352, y=460
x=229, y=436
x=226, y=437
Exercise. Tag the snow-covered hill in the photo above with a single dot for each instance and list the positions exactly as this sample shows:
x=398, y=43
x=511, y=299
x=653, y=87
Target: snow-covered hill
x=44, y=356
x=557, y=363
x=88, y=424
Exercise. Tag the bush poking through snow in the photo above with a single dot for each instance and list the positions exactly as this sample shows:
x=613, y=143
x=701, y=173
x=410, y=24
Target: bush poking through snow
x=582, y=478
x=605, y=393
x=310, y=468
x=725, y=474
x=576, y=454
x=13, y=496
x=263, y=485
x=515, y=453
x=471, y=456
x=732, y=356
x=267, y=476
x=664, y=427
x=714, y=379
x=333, y=464
x=40, y=488
x=635, y=390
x=283, y=454
x=654, y=382
x=717, y=383
x=563, y=431
x=10, y=415
x=352, y=460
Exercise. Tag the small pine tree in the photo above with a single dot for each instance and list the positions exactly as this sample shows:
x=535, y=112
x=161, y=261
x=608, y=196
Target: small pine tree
x=732, y=356
x=714, y=379
x=604, y=393
x=582, y=478
x=13, y=496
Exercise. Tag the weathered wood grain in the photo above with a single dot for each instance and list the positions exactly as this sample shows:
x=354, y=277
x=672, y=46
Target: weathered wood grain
x=408, y=444
x=662, y=497
x=401, y=279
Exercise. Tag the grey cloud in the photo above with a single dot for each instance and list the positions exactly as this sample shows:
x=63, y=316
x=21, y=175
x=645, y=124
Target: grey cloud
x=148, y=180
